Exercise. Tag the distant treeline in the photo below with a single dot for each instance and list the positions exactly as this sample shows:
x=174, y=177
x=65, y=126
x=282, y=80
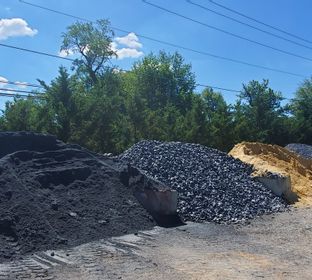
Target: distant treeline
x=108, y=110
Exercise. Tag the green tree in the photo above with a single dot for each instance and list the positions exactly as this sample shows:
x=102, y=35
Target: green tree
x=58, y=107
x=219, y=120
x=164, y=79
x=93, y=43
x=21, y=115
x=301, y=107
x=196, y=123
x=99, y=116
x=158, y=93
x=259, y=112
x=2, y=123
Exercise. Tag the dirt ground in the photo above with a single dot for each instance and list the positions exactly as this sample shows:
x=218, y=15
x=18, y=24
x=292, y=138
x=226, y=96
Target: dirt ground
x=277, y=246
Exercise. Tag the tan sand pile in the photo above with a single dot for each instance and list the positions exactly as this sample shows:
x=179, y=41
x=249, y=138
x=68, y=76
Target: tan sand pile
x=272, y=158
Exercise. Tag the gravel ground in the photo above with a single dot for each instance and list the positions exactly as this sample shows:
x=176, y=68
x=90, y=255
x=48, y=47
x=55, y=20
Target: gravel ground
x=275, y=246
x=212, y=186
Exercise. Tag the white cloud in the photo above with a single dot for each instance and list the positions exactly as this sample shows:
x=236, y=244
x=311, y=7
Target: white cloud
x=131, y=41
x=127, y=52
x=133, y=46
x=2, y=79
x=86, y=49
x=8, y=90
x=3, y=82
x=64, y=53
x=15, y=27
x=21, y=84
x=114, y=46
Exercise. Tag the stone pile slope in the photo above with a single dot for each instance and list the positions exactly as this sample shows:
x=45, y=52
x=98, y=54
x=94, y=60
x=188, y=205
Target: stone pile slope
x=212, y=186
x=272, y=158
x=301, y=149
x=55, y=195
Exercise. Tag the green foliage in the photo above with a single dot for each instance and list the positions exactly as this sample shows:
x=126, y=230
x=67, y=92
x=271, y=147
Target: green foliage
x=58, y=106
x=219, y=120
x=93, y=43
x=163, y=80
x=2, y=124
x=108, y=110
x=258, y=113
x=20, y=114
x=301, y=107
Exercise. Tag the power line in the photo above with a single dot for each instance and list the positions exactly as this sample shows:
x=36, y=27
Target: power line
x=226, y=32
x=229, y=90
x=36, y=52
x=34, y=96
x=17, y=90
x=20, y=84
x=219, y=88
x=172, y=44
x=260, y=22
x=249, y=25
x=4, y=94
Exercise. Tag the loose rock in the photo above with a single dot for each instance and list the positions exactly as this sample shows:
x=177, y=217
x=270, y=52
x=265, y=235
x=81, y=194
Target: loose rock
x=301, y=149
x=212, y=186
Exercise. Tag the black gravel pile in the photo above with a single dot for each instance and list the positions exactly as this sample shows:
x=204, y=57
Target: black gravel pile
x=301, y=149
x=212, y=186
x=61, y=195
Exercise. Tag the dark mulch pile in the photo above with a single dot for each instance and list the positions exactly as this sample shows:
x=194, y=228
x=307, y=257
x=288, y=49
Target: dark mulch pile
x=54, y=195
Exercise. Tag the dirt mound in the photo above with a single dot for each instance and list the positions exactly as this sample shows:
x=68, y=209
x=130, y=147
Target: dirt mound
x=301, y=149
x=212, y=186
x=11, y=142
x=59, y=196
x=272, y=158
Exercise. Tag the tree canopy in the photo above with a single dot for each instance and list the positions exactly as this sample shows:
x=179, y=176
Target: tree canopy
x=108, y=111
x=93, y=43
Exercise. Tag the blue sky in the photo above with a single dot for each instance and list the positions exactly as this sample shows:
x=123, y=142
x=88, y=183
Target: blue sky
x=28, y=27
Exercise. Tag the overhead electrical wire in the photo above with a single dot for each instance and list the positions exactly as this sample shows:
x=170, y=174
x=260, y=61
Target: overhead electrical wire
x=9, y=92
x=36, y=52
x=219, y=88
x=261, y=22
x=18, y=90
x=171, y=44
x=5, y=94
x=226, y=32
x=231, y=90
x=248, y=25
x=20, y=84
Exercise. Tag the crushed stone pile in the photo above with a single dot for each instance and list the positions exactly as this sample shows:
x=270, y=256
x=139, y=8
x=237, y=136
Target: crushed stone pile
x=272, y=158
x=303, y=150
x=212, y=186
x=54, y=195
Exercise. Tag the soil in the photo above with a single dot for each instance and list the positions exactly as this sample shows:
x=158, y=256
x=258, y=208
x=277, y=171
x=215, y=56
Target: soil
x=60, y=196
x=272, y=158
x=275, y=246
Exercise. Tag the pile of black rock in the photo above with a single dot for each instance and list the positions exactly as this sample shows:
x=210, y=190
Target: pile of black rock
x=212, y=186
x=303, y=150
